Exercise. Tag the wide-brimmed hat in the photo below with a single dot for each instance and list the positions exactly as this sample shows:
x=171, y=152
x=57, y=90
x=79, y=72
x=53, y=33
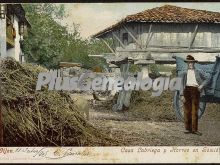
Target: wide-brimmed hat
x=190, y=58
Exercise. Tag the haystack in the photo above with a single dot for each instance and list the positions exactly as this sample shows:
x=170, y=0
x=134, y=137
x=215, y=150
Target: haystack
x=146, y=107
x=41, y=118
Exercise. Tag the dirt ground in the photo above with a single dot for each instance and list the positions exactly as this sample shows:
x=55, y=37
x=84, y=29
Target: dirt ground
x=131, y=130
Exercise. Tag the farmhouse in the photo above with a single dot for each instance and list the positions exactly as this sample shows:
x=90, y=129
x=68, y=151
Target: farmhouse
x=156, y=35
x=165, y=30
x=13, y=26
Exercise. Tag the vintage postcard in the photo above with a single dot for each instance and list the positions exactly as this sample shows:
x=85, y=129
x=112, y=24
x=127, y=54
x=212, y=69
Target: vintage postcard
x=135, y=82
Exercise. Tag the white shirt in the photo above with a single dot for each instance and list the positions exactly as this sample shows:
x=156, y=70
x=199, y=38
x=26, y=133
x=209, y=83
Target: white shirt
x=191, y=78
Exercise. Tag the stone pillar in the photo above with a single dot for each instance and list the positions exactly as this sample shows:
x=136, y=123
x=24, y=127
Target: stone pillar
x=117, y=72
x=145, y=70
x=124, y=97
x=123, y=100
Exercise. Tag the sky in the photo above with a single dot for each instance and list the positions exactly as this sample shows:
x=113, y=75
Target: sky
x=94, y=17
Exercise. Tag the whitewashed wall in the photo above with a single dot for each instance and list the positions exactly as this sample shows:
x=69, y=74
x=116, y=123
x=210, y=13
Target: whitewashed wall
x=2, y=38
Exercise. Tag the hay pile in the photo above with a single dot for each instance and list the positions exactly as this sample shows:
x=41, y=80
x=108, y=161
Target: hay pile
x=41, y=118
x=146, y=107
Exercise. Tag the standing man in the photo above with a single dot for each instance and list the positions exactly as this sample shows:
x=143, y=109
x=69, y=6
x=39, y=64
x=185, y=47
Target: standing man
x=193, y=82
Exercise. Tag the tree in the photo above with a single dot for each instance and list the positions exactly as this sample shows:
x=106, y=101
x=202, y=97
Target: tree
x=46, y=38
x=48, y=42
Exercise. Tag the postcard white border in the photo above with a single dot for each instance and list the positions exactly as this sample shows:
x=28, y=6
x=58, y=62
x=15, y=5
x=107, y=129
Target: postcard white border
x=151, y=154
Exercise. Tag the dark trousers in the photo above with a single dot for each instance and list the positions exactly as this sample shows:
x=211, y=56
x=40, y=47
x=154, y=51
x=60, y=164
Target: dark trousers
x=191, y=107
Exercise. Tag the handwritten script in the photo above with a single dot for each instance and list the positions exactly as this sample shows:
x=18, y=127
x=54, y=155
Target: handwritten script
x=58, y=153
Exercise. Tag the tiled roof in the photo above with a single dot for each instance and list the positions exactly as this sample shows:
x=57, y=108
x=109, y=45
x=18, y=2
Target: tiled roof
x=168, y=14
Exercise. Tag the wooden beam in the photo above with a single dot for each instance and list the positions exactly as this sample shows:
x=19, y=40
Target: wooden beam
x=101, y=55
x=119, y=61
x=178, y=47
x=165, y=50
x=113, y=66
x=95, y=55
x=70, y=64
x=144, y=62
x=193, y=36
x=108, y=46
x=149, y=36
x=120, y=42
x=132, y=36
x=156, y=61
x=173, y=61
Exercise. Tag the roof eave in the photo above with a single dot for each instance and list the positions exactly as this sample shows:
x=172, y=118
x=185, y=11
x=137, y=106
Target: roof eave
x=20, y=13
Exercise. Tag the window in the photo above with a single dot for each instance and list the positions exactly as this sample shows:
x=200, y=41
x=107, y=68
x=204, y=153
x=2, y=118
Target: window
x=125, y=38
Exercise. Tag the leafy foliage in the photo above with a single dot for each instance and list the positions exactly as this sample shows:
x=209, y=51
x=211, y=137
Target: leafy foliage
x=48, y=42
x=154, y=71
